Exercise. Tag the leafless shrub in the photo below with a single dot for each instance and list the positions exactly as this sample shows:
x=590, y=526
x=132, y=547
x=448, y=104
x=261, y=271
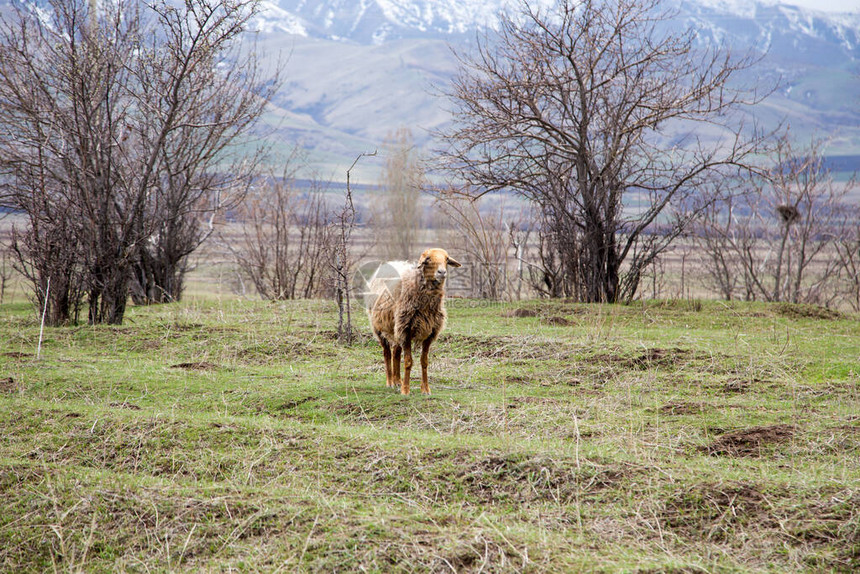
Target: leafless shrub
x=723, y=236
x=481, y=231
x=284, y=238
x=847, y=247
x=341, y=259
x=787, y=236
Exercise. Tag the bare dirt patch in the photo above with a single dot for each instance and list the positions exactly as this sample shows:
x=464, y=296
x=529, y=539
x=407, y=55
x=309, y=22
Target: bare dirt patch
x=18, y=355
x=518, y=380
x=476, y=555
x=660, y=357
x=289, y=405
x=736, y=386
x=749, y=442
x=521, y=312
x=558, y=321
x=195, y=366
x=682, y=408
x=8, y=385
x=125, y=405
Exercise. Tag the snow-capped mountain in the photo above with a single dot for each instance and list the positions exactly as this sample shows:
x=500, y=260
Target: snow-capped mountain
x=380, y=21
x=356, y=70
x=781, y=30
x=359, y=69
x=764, y=24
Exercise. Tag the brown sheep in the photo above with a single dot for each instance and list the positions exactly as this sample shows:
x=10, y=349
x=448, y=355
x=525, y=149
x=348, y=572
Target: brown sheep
x=410, y=310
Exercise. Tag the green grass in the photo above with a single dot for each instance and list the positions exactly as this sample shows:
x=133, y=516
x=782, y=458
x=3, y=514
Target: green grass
x=672, y=436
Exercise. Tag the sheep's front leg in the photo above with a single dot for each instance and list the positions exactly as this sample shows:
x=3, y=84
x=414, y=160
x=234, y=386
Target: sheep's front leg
x=407, y=366
x=395, y=366
x=386, y=356
x=425, y=360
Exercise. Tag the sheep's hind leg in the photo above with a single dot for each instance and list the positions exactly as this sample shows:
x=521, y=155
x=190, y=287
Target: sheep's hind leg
x=407, y=367
x=395, y=366
x=386, y=356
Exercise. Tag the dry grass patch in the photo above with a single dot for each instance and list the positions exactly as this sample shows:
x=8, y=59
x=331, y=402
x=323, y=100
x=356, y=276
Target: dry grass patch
x=805, y=311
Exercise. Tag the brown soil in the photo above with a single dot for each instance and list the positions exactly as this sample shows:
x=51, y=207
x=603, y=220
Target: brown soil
x=521, y=312
x=195, y=366
x=8, y=385
x=682, y=408
x=561, y=321
x=293, y=404
x=17, y=355
x=736, y=386
x=125, y=405
x=749, y=442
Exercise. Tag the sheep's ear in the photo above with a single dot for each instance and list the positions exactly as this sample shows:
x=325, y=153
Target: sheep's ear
x=423, y=261
x=453, y=262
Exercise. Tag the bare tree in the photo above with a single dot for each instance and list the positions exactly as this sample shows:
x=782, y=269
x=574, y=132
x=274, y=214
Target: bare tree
x=397, y=217
x=204, y=109
x=605, y=120
x=112, y=121
x=285, y=237
x=63, y=113
x=559, y=249
x=716, y=233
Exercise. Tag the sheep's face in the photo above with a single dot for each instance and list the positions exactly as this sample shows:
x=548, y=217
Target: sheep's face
x=434, y=265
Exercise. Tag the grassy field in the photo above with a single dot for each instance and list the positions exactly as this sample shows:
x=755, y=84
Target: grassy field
x=237, y=436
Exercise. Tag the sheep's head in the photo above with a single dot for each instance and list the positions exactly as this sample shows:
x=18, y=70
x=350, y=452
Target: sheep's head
x=434, y=265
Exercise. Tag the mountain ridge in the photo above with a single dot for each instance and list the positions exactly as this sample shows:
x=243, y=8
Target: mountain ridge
x=357, y=73
x=357, y=70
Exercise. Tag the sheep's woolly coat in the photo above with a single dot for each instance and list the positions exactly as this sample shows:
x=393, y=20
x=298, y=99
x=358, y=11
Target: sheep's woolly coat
x=407, y=306
x=412, y=308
